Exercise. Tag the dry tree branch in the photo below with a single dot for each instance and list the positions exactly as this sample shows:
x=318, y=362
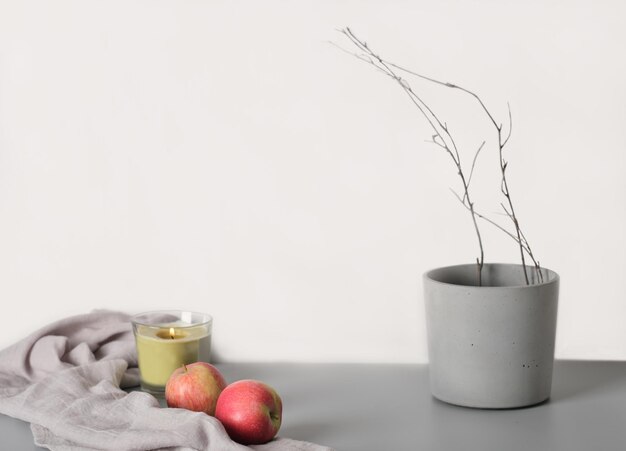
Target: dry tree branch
x=503, y=164
x=448, y=144
x=440, y=129
x=511, y=214
x=469, y=179
x=523, y=243
x=508, y=136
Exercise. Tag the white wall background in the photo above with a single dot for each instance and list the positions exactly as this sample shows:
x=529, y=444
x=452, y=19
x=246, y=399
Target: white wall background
x=221, y=156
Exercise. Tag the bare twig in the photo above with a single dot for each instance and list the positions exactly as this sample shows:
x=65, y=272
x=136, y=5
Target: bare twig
x=508, y=105
x=442, y=132
x=440, y=128
x=490, y=221
x=469, y=179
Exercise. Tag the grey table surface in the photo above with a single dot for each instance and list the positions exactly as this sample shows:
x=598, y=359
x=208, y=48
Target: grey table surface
x=389, y=408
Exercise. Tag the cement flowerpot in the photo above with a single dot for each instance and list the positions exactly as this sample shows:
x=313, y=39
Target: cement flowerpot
x=490, y=346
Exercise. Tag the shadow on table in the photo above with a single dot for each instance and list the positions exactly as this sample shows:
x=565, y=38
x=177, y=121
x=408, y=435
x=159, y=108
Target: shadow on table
x=576, y=378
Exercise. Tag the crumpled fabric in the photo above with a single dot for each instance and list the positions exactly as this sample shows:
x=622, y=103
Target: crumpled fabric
x=66, y=379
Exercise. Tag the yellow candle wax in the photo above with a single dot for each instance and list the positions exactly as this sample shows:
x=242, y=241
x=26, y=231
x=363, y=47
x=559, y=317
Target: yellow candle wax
x=160, y=350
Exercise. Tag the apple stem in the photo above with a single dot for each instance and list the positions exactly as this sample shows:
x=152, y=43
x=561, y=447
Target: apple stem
x=185, y=367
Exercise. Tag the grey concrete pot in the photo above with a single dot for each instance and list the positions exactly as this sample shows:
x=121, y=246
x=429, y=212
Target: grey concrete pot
x=490, y=346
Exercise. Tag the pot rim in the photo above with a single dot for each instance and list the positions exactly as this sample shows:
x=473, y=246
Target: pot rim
x=554, y=280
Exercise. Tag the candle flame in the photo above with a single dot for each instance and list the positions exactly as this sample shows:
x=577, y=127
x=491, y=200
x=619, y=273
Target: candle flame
x=172, y=333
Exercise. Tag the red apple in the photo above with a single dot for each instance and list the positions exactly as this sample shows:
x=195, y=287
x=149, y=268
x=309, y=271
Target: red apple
x=195, y=387
x=250, y=411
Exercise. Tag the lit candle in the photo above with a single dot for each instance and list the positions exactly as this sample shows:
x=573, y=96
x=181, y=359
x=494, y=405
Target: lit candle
x=166, y=341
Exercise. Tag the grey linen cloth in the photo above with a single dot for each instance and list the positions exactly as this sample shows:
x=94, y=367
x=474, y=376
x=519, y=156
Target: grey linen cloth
x=66, y=379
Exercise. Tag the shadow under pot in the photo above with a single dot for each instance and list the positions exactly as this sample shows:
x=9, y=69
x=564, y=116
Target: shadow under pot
x=491, y=346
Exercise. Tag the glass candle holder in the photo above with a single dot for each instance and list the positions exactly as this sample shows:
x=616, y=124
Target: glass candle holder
x=167, y=340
